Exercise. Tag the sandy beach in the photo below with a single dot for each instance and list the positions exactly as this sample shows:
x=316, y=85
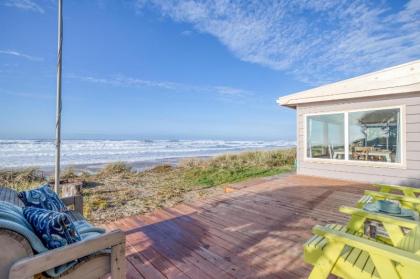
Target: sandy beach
x=136, y=166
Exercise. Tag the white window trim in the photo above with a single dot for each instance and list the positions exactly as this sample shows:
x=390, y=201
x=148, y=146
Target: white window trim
x=346, y=161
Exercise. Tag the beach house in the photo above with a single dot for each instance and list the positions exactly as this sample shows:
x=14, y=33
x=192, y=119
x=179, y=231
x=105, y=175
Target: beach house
x=365, y=128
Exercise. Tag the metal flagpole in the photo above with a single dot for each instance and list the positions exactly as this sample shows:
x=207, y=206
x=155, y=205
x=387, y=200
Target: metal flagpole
x=58, y=104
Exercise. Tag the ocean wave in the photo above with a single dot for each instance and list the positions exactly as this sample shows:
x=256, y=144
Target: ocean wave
x=26, y=153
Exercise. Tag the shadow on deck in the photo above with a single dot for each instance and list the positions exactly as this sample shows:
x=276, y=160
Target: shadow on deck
x=255, y=232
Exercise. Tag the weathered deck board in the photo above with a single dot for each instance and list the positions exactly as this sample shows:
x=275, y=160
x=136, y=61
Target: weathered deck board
x=257, y=231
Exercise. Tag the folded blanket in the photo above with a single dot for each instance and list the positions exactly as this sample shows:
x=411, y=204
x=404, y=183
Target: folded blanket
x=11, y=218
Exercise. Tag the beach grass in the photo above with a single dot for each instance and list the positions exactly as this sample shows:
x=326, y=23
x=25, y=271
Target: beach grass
x=231, y=168
x=21, y=179
x=117, y=190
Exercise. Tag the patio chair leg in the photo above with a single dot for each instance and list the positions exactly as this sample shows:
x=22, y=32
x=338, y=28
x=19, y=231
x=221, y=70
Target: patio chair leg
x=118, y=264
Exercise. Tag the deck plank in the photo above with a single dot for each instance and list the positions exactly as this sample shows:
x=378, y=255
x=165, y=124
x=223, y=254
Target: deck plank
x=179, y=247
x=256, y=231
x=143, y=245
x=182, y=258
x=245, y=238
x=209, y=250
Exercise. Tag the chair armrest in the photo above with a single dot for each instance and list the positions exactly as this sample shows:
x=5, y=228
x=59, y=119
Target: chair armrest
x=367, y=245
x=76, y=201
x=27, y=267
x=384, y=218
x=400, y=198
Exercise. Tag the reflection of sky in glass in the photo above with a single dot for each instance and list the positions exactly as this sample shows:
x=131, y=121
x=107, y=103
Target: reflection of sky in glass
x=335, y=124
x=358, y=131
x=377, y=129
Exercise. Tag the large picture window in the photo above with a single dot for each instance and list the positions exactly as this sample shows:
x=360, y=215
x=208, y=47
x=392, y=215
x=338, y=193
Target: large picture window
x=375, y=135
x=325, y=137
x=368, y=135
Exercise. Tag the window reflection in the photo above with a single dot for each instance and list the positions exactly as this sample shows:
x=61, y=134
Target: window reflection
x=325, y=136
x=375, y=135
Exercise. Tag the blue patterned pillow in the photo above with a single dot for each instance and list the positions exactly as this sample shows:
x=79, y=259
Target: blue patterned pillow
x=53, y=228
x=42, y=197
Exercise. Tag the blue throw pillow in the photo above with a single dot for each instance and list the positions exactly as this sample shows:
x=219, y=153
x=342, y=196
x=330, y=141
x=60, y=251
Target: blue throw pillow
x=42, y=197
x=53, y=228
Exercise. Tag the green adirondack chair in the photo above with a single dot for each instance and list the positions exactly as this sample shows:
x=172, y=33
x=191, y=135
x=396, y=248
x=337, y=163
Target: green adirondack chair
x=345, y=252
x=334, y=251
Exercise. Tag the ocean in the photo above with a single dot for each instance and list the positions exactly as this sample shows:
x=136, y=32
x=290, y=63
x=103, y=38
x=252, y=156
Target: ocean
x=40, y=153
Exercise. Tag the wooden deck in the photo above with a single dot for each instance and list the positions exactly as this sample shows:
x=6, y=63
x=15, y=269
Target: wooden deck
x=257, y=231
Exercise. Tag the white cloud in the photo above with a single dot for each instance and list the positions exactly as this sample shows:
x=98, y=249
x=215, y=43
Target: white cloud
x=316, y=40
x=230, y=91
x=124, y=81
x=27, y=95
x=19, y=54
x=186, y=33
x=28, y=5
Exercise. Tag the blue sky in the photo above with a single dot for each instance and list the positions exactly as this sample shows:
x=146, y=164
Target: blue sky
x=188, y=69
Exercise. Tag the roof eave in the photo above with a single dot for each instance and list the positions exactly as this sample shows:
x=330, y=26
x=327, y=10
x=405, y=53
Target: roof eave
x=282, y=102
x=289, y=101
x=399, y=79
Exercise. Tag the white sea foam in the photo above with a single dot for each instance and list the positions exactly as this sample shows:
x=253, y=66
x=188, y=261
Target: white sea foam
x=25, y=153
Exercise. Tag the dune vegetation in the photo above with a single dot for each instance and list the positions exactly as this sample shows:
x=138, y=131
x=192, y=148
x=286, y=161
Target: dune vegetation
x=117, y=190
